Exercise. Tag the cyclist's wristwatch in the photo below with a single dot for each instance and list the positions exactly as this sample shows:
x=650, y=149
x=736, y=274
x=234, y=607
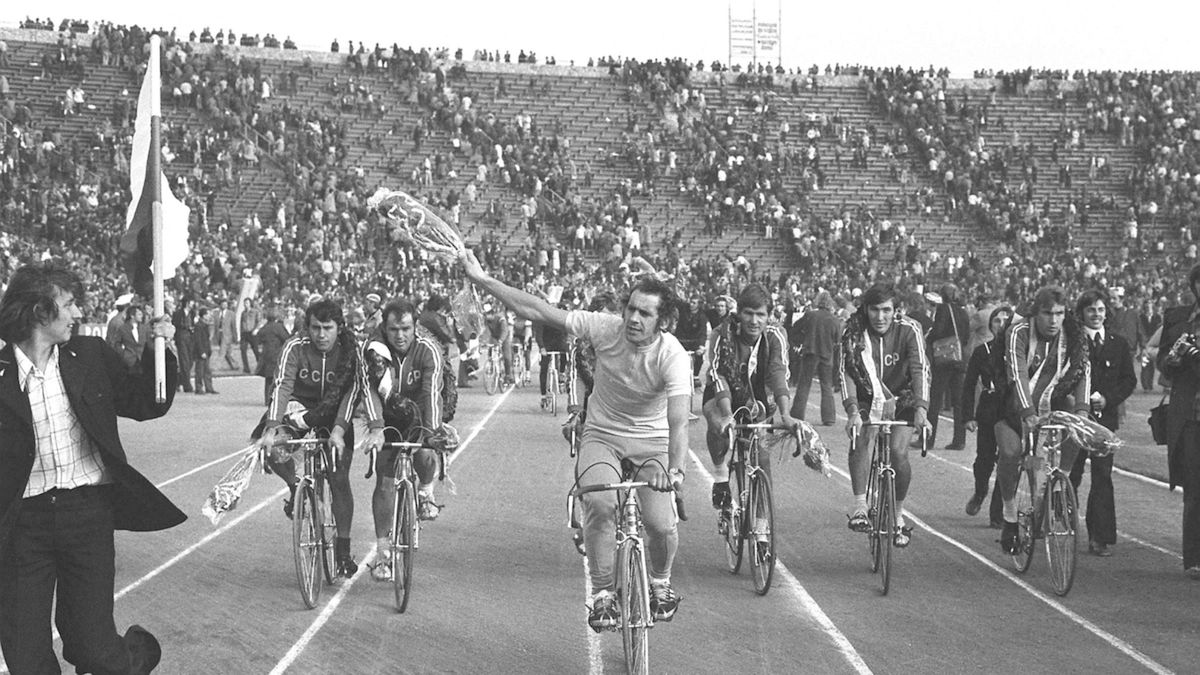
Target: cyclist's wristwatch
x=676, y=474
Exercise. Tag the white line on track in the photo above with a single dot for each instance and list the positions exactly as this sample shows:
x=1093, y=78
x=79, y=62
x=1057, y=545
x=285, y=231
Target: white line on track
x=1120, y=533
x=595, y=654
x=326, y=612
x=199, y=468
x=330, y=608
x=806, y=601
x=1114, y=641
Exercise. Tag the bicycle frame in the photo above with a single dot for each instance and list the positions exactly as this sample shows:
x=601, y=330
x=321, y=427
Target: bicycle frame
x=1054, y=515
x=406, y=528
x=881, y=499
x=752, y=512
x=312, y=518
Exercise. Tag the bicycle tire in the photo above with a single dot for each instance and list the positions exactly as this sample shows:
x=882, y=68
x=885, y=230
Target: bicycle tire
x=328, y=527
x=305, y=543
x=873, y=514
x=735, y=529
x=1060, y=531
x=491, y=377
x=1027, y=521
x=404, y=543
x=761, y=543
x=886, y=530
x=554, y=389
x=634, y=597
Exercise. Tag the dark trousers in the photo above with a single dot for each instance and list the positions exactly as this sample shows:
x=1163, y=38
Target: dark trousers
x=1101, y=505
x=811, y=365
x=985, y=463
x=1190, y=454
x=249, y=343
x=1147, y=377
x=946, y=389
x=61, y=552
x=184, y=352
x=203, y=374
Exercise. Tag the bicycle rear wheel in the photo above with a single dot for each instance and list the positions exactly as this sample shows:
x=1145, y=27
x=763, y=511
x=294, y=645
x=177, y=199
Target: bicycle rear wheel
x=404, y=543
x=885, y=527
x=761, y=539
x=873, y=514
x=634, y=595
x=1061, y=522
x=735, y=529
x=1027, y=521
x=491, y=376
x=328, y=529
x=306, y=543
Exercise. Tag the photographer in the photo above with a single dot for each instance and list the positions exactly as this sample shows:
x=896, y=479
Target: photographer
x=1181, y=364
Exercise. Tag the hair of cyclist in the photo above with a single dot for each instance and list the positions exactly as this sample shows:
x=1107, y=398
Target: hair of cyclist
x=1048, y=297
x=668, y=305
x=436, y=303
x=29, y=299
x=324, y=310
x=1089, y=298
x=754, y=296
x=603, y=301
x=399, y=307
x=877, y=295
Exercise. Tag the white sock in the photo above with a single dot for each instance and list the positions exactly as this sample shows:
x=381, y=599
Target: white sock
x=720, y=473
x=1010, y=510
x=425, y=491
x=899, y=514
x=659, y=582
x=385, y=546
x=860, y=502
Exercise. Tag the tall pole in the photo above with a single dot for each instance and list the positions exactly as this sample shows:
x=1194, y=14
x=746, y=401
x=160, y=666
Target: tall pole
x=753, y=35
x=729, y=34
x=154, y=170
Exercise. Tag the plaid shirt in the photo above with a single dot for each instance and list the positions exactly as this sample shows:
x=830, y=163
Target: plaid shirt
x=66, y=457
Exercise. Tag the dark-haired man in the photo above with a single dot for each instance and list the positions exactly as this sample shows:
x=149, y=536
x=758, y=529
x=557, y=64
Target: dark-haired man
x=65, y=480
x=317, y=383
x=1113, y=380
x=638, y=411
x=884, y=375
x=1045, y=368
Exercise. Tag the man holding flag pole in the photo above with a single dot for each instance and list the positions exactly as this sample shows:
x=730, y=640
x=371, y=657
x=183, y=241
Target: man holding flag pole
x=66, y=483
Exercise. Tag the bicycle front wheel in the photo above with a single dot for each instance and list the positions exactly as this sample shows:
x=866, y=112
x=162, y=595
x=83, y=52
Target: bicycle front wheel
x=328, y=526
x=404, y=543
x=735, y=526
x=634, y=595
x=491, y=377
x=1027, y=521
x=885, y=526
x=1061, y=522
x=873, y=514
x=761, y=539
x=306, y=542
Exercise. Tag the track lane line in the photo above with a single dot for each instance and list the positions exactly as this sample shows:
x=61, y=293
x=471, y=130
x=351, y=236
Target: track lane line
x=200, y=468
x=327, y=612
x=805, y=599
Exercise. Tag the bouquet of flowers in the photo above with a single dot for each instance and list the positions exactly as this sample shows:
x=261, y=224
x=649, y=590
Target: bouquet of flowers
x=468, y=311
x=805, y=443
x=417, y=222
x=1087, y=434
x=228, y=491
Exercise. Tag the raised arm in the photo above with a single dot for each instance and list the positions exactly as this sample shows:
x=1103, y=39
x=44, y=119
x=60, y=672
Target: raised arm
x=525, y=304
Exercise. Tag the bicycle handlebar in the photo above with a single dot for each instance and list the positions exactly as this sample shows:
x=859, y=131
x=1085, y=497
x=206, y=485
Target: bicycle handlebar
x=390, y=445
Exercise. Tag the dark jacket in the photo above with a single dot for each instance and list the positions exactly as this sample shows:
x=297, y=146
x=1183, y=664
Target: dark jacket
x=981, y=370
x=99, y=388
x=203, y=339
x=1112, y=376
x=948, y=319
x=271, y=338
x=1185, y=381
x=129, y=348
x=818, y=332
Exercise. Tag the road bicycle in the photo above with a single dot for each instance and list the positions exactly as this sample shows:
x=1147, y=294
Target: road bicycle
x=313, y=525
x=1053, y=514
x=520, y=367
x=405, y=535
x=554, y=385
x=493, y=370
x=881, y=499
x=632, y=583
x=751, y=513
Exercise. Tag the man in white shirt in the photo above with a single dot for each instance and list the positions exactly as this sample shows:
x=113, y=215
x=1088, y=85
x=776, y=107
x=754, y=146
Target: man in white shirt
x=638, y=411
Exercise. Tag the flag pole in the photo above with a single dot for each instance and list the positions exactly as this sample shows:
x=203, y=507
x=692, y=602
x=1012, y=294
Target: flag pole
x=154, y=170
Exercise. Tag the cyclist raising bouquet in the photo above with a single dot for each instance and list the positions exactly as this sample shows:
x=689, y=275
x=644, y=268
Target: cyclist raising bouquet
x=638, y=411
x=1046, y=367
x=317, y=384
x=405, y=377
x=884, y=375
x=749, y=367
